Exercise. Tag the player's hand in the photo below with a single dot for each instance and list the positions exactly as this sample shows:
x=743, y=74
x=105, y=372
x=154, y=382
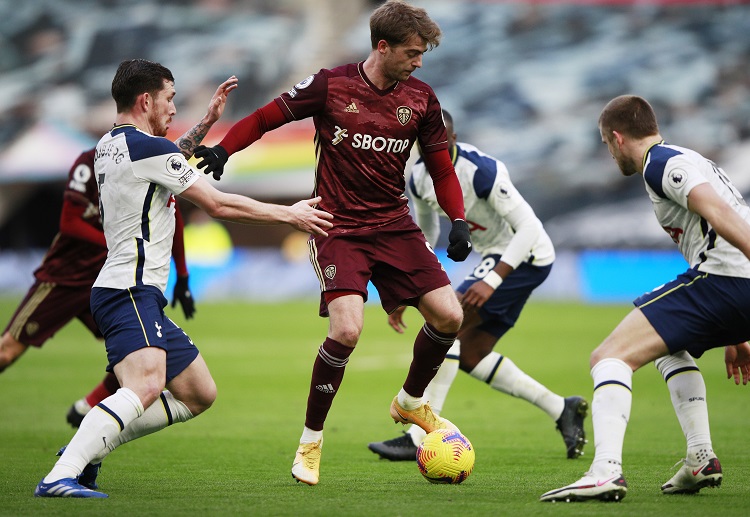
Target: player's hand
x=737, y=359
x=219, y=100
x=476, y=295
x=459, y=241
x=396, y=319
x=213, y=159
x=182, y=293
x=308, y=219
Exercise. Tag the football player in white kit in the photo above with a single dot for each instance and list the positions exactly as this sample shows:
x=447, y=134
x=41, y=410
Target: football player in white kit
x=517, y=256
x=706, y=307
x=139, y=172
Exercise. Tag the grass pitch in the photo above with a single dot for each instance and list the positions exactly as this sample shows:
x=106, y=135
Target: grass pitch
x=236, y=458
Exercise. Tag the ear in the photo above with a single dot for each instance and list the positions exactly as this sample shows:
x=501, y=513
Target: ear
x=144, y=101
x=619, y=138
x=382, y=47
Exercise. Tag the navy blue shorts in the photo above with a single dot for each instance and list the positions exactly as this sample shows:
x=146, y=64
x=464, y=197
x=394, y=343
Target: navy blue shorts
x=503, y=308
x=698, y=311
x=134, y=318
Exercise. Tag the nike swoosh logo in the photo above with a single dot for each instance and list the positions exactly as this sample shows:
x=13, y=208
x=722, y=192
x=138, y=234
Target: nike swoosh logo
x=698, y=470
x=600, y=483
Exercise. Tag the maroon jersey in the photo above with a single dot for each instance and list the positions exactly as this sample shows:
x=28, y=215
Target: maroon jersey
x=363, y=140
x=71, y=261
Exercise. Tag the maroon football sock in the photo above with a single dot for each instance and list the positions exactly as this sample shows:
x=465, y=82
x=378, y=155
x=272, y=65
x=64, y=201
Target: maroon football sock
x=430, y=348
x=328, y=372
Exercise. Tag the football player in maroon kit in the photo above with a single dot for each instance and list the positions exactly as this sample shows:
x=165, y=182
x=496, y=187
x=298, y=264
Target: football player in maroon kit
x=62, y=286
x=368, y=116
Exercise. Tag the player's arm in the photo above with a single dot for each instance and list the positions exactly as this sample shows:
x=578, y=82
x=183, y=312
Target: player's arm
x=73, y=222
x=451, y=200
x=241, y=209
x=188, y=142
x=181, y=290
x=240, y=136
x=704, y=201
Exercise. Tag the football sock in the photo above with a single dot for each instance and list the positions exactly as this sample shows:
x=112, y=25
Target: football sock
x=610, y=412
x=165, y=411
x=688, y=392
x=503, y=375
x=100, y=426
x=437, y=390
x=328, y=372
x=103, y=390
x=310, y=436
x=430, y=348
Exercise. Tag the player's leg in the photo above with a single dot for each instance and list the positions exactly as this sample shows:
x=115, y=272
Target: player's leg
x=45, y=309
x=687, y=389
x=142, y=374
x=404, y=447
x=633, y=343
x=108, y=386
x=443, y=317
x=10, y=350
x=346, y=319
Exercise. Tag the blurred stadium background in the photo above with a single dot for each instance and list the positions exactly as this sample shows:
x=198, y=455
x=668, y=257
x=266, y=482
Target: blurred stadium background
x=524, y=80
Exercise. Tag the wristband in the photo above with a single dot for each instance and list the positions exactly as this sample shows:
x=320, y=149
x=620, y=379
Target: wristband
x=492, y=279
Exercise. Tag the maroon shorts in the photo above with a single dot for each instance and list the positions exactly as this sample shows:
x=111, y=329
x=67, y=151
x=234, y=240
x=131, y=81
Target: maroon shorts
x=395, y=258
x=47, y=308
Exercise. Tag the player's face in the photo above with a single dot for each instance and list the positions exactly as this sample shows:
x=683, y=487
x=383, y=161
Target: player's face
x=401, y=60
x=627, y=165
x=163, y=109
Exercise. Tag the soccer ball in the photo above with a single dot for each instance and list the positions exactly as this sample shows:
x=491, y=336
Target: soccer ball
x=445, y=456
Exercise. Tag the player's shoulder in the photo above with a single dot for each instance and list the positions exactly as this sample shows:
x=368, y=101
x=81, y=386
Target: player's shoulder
x=86, y=159
x=142, y=145
x=418, y=85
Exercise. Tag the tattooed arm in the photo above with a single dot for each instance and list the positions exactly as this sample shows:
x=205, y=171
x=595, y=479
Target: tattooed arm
x=194, y=136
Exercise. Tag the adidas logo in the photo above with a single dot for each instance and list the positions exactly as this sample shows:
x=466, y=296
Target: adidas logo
x=352, y=108
x=325, y=388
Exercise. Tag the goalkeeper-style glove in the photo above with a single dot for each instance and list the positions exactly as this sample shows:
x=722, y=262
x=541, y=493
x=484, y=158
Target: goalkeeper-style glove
x=213, y=159
x=459, y=240
x=182, y=293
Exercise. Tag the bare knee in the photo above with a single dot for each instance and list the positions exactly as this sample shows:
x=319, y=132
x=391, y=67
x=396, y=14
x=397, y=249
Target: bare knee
x=202, y=398
x=450, y=321
x=347, y=334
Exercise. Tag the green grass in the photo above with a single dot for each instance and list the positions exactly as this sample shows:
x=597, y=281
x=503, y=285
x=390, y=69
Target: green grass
x=235, y=459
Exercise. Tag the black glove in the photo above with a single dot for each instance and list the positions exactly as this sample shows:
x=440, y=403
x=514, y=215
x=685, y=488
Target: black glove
x=212, y=158
x=182, y=293
x=459, y=241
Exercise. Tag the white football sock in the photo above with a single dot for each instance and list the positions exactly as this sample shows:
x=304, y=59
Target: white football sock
x=503, y=375
x=165, y=411
x=310, y=436
x=100, y=426
x=437, y=391
x=407, y=401
x=688, y=392
x=610, y=412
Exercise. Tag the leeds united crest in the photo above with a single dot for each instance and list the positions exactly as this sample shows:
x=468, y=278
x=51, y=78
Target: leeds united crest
x=404, y=114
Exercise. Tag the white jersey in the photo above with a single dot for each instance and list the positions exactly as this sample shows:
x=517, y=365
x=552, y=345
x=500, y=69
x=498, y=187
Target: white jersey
x=489, y=198
x=138, y=175
x=670, y=173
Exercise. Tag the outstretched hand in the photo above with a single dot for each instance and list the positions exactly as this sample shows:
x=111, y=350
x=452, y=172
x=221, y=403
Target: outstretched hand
x=396, y=319
x=308, y=219
x=737, y=359
x=219, y=100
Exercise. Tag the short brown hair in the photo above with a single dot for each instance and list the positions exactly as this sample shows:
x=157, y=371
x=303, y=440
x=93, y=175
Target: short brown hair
x=630, y=115
x=137, y=76
x=396, y=21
